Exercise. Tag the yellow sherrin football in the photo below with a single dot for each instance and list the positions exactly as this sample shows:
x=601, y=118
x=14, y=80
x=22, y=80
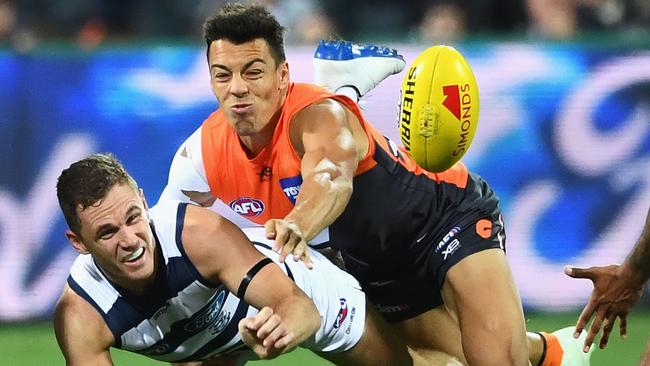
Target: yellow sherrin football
x=439, y=107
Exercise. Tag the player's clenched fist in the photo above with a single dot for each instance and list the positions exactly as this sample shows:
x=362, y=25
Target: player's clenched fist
x=288, y=239
x=265, y=333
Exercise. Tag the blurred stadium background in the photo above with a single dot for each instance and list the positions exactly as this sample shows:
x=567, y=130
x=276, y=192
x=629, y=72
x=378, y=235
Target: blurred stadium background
x=564, y=132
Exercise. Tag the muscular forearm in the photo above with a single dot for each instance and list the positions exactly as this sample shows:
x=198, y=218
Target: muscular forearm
x=321, y=201
x=638, y=261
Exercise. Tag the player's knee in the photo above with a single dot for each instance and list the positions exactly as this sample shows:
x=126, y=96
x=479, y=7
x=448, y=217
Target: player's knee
x=503, y=343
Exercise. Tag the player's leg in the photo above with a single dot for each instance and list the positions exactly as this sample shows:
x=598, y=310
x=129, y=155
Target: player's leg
x=379, y=345
x=481, y=292
x=477, y=340
x=433, y=327
x=466, y=285
x=417, y=333
x=352, y=332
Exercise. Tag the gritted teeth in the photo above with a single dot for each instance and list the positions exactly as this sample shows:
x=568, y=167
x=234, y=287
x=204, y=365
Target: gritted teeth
x=135, y=255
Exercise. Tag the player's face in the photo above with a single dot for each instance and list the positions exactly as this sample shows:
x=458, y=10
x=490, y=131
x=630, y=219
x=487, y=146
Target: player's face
x=116, y=232
x=248, y=84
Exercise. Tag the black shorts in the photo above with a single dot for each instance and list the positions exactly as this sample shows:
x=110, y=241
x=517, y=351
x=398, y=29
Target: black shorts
x=414, y=287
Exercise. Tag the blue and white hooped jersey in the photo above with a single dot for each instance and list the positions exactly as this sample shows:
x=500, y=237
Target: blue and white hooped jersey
x=184, y=317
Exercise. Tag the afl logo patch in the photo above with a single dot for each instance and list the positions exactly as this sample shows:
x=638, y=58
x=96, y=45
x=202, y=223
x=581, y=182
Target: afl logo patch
x=343, y=313
x=246, y=206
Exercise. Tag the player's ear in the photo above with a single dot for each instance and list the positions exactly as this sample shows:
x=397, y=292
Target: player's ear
x=145, y=205
x=283, y=74
x=144, y=200
x=76, y=242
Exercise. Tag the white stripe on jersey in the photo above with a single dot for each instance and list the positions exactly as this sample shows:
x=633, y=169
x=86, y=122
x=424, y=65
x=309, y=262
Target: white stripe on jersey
x=86, y=274
x=189, y=301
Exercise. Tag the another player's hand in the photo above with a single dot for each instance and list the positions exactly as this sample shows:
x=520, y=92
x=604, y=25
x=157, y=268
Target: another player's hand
x=615, y=293
x=265, y=334
x=289, y=239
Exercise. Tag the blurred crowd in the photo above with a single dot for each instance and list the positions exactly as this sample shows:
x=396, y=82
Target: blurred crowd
x=26, y=23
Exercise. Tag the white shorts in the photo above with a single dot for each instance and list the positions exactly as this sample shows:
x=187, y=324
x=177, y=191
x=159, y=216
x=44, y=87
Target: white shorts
x=337, y=295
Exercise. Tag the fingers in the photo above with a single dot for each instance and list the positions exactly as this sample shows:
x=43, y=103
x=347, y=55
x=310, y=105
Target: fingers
x=596, y=325
x=272, y=331
x=623, y=326
x=269, y=228
x=284, y=341
x=256, y=322
x=269, y=330
x=575, y=272
x=302, y=253
x=584, y=317
x=608, y=325
x=284, y=234
x=290, y=241
x=243, y=325
x=267, y=327
x=247, y=336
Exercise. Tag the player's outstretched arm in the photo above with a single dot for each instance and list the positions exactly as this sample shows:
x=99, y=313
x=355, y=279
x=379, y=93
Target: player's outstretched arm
x=82, y=334
x=616, y=290
x=223, y=254
x=322, y=135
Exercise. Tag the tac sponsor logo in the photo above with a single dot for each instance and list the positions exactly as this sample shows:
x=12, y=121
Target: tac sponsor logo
x=454, y=230
x=291, y=187
x=343, y=313
x=459, y=102
x=246, y=206
x=208, y=315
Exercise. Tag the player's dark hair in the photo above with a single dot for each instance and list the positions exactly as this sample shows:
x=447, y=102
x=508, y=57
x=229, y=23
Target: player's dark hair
x=86, y=182
x=239, y=23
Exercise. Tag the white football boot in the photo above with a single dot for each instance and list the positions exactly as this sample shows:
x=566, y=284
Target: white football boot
x=572, y=348
x=339, y=64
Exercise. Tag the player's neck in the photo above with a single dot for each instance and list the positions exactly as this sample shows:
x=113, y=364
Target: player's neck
x=253, y=144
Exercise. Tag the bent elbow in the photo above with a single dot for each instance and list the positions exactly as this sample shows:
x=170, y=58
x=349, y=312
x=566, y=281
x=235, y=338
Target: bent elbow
x=313, y=316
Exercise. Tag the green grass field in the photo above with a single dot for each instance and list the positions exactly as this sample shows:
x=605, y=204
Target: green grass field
x=34, y=344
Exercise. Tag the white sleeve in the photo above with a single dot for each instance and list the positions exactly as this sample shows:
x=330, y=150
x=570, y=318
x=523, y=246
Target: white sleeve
x=186, y=172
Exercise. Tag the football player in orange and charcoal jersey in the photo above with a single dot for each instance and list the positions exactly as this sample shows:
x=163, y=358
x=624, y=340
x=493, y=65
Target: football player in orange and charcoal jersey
x=428, y=249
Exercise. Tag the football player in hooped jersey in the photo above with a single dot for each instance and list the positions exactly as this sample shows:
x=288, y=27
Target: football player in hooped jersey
x=162, y=283
x=428, y=249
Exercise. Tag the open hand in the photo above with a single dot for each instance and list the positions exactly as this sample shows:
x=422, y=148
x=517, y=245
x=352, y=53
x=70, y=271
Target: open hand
x=615, y=293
